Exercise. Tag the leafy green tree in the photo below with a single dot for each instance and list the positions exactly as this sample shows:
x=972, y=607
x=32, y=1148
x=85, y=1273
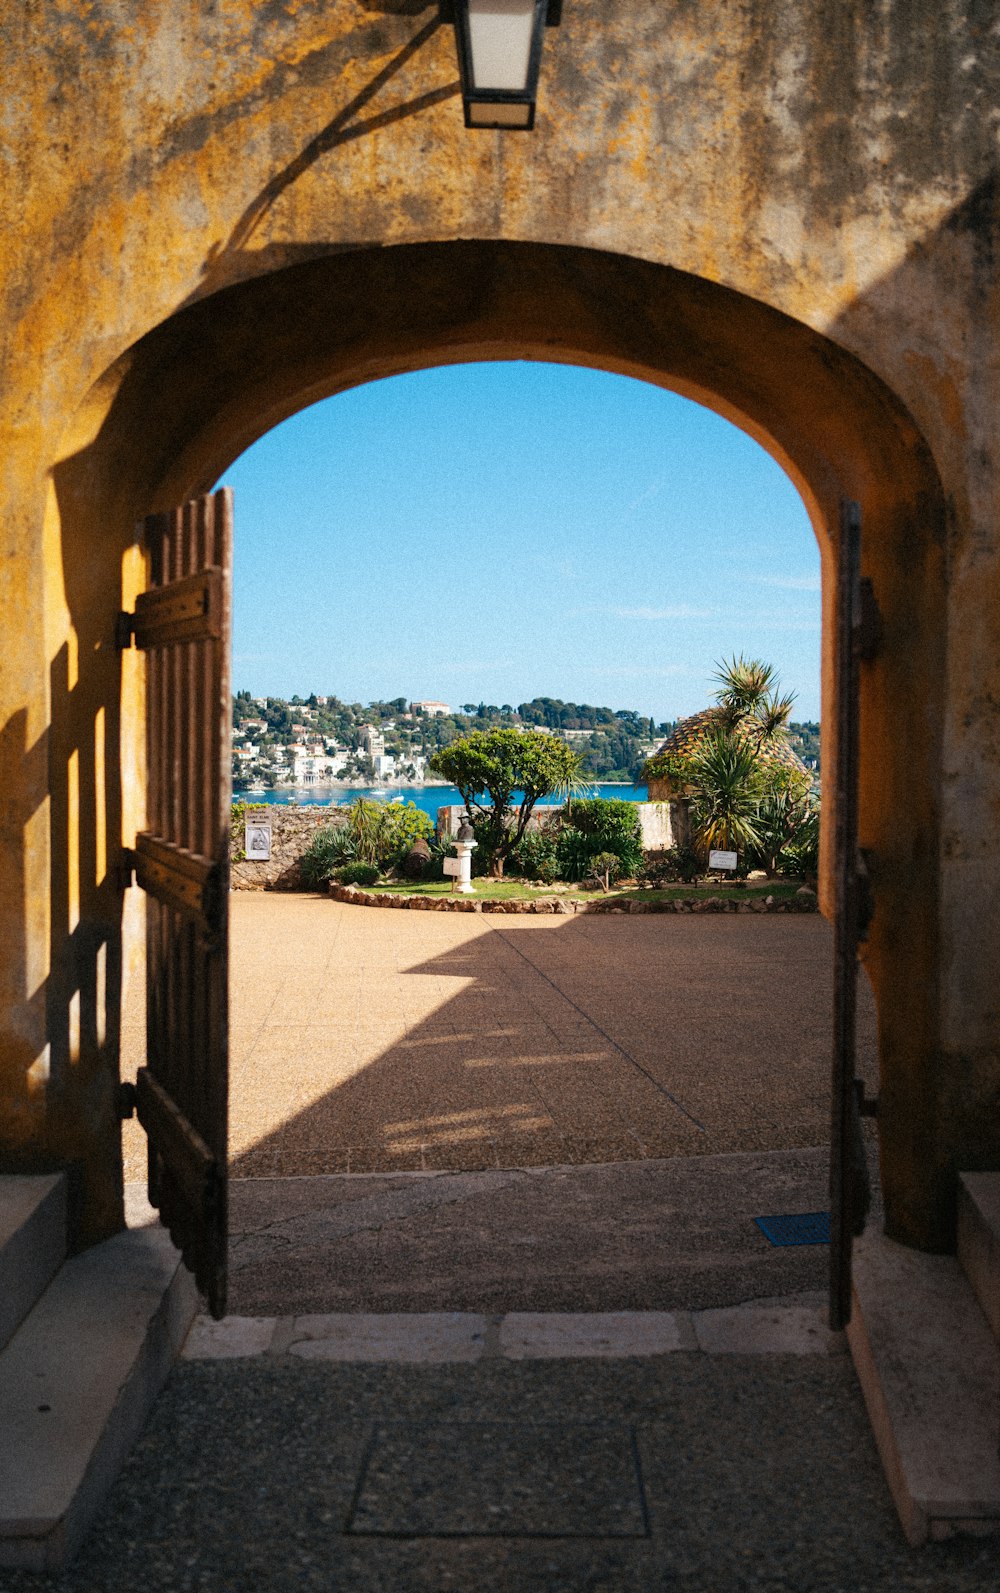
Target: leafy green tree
x=607, y=868
x=491, y=766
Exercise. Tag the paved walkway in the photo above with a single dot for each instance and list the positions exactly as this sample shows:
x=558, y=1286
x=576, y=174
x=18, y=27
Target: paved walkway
x=373, y=1041
x=703, y=1472
x=622, y=1236
x=515, y=1431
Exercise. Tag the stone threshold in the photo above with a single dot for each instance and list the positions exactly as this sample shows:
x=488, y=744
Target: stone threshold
x=434, y=1338
x=357, y=897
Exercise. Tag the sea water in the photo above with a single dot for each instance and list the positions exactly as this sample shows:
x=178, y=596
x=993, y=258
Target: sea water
x=426, y=797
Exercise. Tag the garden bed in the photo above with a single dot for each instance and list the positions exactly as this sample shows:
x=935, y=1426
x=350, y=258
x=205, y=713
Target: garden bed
x=515, y=896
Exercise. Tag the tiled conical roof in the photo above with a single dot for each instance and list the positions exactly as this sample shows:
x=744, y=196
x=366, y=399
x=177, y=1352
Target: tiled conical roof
x=692, y=733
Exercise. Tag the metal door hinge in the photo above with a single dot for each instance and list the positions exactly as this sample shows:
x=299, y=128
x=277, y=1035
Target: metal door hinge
x=125, y=1101
x=126, y=869
x=865, y=892
x=868, y=623
x=124, y=630
x=867, y=1104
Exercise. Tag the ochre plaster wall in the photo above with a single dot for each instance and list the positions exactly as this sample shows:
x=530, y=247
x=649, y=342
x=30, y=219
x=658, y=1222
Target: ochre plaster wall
x=218, y=212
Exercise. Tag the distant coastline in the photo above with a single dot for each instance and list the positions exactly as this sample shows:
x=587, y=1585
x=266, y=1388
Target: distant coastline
x=428, y=797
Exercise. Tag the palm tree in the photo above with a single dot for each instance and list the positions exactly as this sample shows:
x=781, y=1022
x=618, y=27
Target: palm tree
x=726, y=775
x=748, y=698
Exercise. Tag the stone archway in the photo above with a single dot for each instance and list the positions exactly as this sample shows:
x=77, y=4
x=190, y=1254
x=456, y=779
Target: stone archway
x=196, y=391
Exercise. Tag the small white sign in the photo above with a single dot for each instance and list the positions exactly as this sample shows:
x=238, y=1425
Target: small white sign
x=258, y=843
x=452, y=865
x=722, y=859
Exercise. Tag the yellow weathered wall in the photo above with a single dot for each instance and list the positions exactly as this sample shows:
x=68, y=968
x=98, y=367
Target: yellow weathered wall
x=833, y=163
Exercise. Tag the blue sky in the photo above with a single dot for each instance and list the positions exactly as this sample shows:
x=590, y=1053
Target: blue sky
x=509, y=530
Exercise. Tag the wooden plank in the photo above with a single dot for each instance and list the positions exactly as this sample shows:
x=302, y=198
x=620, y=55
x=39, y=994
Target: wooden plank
x=176, y=1140
x=179, y=878
x=186, y=610
x=182, y=859
x=849, y=1195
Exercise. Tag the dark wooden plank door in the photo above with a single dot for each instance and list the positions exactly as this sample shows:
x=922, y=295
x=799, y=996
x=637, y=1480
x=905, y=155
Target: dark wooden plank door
x=850, y=1194
x=181, y=859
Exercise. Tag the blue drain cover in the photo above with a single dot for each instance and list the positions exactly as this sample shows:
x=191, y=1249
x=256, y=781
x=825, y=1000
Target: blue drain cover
x=803, y=1228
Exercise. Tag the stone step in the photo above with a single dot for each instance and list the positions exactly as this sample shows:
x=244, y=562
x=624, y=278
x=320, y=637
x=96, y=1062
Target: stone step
x=32, y=1243
x=929, y=1369
x=76, y=1383
x=979, y=1240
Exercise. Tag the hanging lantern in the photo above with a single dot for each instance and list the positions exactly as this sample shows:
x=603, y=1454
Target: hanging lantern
x=499, y=53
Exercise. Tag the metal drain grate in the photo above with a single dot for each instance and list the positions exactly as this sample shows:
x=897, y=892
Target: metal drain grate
x=800, y=1228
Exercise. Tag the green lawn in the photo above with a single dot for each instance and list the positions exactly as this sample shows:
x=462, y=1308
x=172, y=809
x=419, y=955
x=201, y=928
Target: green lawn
x=518, y=890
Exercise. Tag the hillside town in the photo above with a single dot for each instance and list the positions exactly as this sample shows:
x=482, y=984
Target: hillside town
x=320, y=740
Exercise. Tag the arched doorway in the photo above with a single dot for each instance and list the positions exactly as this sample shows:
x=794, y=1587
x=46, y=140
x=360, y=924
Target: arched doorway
x=197, y=390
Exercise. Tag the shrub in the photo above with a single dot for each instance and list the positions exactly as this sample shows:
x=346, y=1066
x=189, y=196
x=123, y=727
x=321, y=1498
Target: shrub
x=683, y=863
x=383, y=832
x=608, y=824
x=358, y=874
x=573, y=853
x=606, y=867
x=801, y=857
x=330, y=848
x=536, y=856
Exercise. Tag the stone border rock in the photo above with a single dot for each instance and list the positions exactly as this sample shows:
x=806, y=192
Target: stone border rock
x=804, y=901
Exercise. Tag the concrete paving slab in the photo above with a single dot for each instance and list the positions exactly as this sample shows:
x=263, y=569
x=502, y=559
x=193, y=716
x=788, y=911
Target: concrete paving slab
x=979, y=1240
x=233, y=1337
x=420, y=1338
x=32, y=1243
x=558, y=1335
x=767, y=1330
x=76, y=1383
x=664, y=1235
x=514, y=1478
x=930, y=1371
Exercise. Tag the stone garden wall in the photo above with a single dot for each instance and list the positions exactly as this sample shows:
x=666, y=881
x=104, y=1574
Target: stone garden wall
x=292, y=828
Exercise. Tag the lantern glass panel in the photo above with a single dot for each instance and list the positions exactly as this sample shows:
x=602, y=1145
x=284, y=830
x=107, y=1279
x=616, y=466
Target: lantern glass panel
x=500, y=34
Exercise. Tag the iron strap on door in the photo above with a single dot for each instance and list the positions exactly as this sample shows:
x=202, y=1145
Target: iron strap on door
x=181, y=861
x=850, y=1194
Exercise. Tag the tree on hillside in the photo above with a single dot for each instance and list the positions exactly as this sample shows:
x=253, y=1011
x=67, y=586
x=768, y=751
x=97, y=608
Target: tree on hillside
x=495, y=764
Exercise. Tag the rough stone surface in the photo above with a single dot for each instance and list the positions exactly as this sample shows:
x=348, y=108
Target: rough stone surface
x=544, y=1335
x=292, y=829
x=32, y=1243
x=417, y=1337
x=767, y=1330
x=930, y=1371
x=979, y=1240
x=658, y=1236
x=76, y=1383
x=757, y=1472
x=233, y=1336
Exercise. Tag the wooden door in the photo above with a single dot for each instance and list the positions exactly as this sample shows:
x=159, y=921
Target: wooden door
x=850, y=1194
x=181, y=860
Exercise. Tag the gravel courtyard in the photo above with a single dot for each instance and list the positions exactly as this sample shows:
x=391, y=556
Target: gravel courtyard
x=366, y=1040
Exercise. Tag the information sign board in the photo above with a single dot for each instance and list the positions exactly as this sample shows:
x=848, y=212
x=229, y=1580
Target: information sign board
x=722, y=860
x=452, y=865
x=257, y=843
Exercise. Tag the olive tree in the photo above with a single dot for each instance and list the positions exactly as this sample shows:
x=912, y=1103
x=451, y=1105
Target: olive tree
x=492, y=768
